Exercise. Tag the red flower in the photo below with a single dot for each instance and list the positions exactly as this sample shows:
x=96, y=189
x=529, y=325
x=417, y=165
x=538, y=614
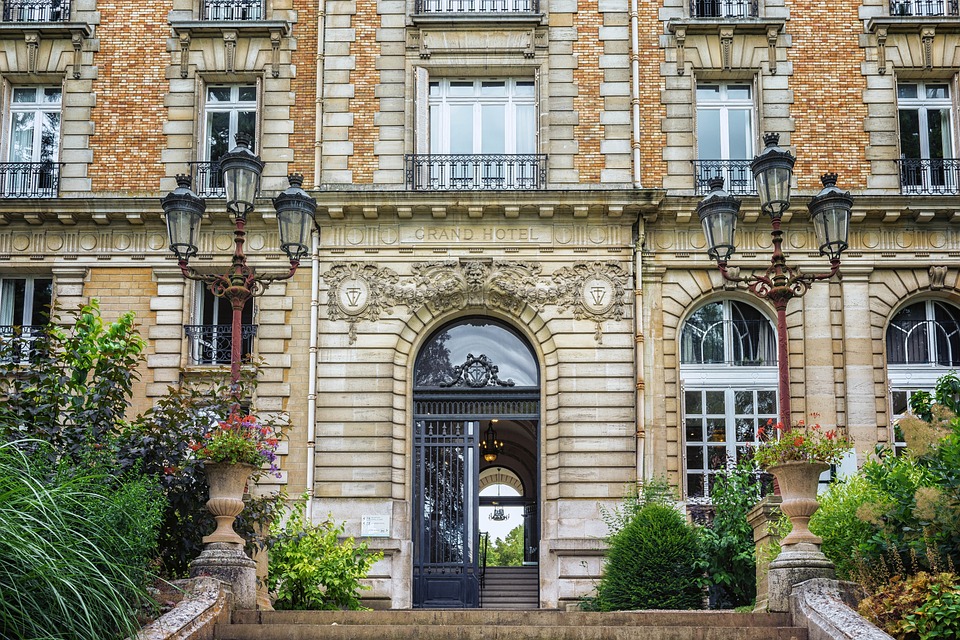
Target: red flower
x=798, y=441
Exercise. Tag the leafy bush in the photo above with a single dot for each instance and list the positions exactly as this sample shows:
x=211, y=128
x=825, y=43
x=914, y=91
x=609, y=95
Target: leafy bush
x=508, y=551
x=846, y=537
x=903, y=606
x=728, y=547
x=311, y=568
x=76, y=546
x=638, y=496
x=652, y=564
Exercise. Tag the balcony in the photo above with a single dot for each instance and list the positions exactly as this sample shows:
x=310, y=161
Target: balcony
x=724, y=8
x=475, y=172
x=925, y=8
x=211, y=343
x=484, y=7
x=736, y=174
x=36, y=10
x=29, y=179
x=929, y=177
x=17, y=344
x=207, y=179
x=232, y=10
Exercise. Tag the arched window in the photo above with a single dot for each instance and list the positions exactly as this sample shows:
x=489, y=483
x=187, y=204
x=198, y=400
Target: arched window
x=923, y=343
x=729, y=374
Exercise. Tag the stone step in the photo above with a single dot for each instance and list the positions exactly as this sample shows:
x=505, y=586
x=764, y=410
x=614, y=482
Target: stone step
x=513, y=632
x=541, y=617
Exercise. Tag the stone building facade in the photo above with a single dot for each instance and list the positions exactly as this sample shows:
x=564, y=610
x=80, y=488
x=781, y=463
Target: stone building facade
x=506, y=236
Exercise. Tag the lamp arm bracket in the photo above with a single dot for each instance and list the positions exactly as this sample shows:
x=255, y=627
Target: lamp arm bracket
x=209, y=279
x=260, y=282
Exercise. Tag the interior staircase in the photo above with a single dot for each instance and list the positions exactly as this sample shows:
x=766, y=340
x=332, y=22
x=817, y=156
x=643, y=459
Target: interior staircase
x=477, y=624
x=510, y=588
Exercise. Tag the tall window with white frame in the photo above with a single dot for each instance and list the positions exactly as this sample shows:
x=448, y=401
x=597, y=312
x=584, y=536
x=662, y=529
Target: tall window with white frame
x=923, y=344
x=928, y=164
x=729, y=371
x=228, y=110
x=211, y=336
x=483, y=133
x=31, y=169
x=24, y=308
x=725, y=135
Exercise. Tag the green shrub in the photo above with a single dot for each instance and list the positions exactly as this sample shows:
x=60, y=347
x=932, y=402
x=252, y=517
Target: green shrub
x=639, y=495
x=939, y=616
x=896, y=605
x=728, y=547
x=311, y=568
x=845, y=536
x=75, y=550
x=652, y=564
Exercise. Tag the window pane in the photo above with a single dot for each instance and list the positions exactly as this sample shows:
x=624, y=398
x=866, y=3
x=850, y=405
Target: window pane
x=218, y=135
x=938, y=122
x=218, y=94
x=906, y=91
x=21, y=139
x=526, y=129
x=740, y=134
x=694, y=430
x=708, y=134
x=716, y=458
x=51, y=95
x=42, y=296
x=738, y=92
x=909, y=133
x=461, y=128
x=708, y=92
x=434, y=88
x=938, y=91
x=716, y=430
x=694, y=457
x=50, y=137
x=498, y=88
x=746, y=430
x=493, y=128
x=248, y=94
x=766, y=402
x=743, y=402
x=695, y=485
x=524, y=88
x=460, y=88
x=25, y=94
x=693, y=402
x=14, y=294
x=899, y=402
x=247, y=123
x=715, y=402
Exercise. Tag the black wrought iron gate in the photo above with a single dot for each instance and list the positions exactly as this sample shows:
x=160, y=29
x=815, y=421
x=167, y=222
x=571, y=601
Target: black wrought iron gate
x=446, y=510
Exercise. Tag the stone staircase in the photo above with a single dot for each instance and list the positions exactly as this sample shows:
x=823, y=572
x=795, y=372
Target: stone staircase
x=511, y=588
x=477, y=624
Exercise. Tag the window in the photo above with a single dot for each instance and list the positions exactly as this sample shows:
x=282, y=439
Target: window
x=924, y=8
x=724, y=8
x=211, y=339
x=24, y=307
x=482, y=135
x=231, y=10
x=36, y=10
x=228, y=110
x=33, y=145
x=725, y=135
x=728, y=366
x=927, y=163
x=494, y=7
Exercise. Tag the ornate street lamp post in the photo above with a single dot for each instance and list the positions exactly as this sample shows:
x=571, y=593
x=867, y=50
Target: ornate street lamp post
x=296, y=212
x=830, y=214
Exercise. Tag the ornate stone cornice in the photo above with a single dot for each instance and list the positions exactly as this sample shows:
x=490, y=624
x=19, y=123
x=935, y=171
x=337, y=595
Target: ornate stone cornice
x=362, y=291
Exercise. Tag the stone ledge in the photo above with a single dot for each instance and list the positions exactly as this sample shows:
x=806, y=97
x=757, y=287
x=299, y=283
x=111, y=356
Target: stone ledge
x=824, y=607
x=207, y=603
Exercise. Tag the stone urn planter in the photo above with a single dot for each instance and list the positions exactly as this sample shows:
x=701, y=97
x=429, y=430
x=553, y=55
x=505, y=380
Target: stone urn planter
x=798, y=487
x=227, y=483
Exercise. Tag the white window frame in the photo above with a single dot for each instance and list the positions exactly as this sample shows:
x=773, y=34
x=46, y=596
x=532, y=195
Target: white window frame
x=727, y=378
x=234, y=106
x=39, y=109
x=23, y=316
x=725, y=104
x=923, y=105
x=440, y=102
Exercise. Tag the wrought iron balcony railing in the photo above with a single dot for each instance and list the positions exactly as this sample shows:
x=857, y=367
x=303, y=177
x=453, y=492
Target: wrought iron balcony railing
x=929, y=177
x=933, y=342
x=724, y=8
x=925, y=8
x=29, y=179
x=17, y=344
x=207, y=179
x=231, y=10
x=36, y=10
x=476, y=6
x=212, y=343
x=736, y=174
x=465, y=172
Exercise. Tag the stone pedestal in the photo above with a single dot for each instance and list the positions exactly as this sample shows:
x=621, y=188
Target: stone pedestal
x=227, y=562
x=760, y=517
x=796, y=563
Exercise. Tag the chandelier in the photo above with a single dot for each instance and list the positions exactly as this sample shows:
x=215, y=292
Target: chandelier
x=498, y=514
x=490, y=447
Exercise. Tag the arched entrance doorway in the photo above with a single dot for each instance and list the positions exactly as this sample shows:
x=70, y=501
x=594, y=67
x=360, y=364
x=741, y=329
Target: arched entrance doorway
x=476, y=401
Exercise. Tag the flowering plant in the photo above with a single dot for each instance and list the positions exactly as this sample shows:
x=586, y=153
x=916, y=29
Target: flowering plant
x=801, y=444
x=240, y=440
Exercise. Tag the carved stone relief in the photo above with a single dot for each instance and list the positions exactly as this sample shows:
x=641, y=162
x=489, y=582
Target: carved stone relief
x=360, y=291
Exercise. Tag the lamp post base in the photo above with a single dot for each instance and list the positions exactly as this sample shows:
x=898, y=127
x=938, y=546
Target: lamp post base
x=227, y=562
x=795, y=564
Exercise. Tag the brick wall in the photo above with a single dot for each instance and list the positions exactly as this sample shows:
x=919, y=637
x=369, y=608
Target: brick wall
x=364, y=77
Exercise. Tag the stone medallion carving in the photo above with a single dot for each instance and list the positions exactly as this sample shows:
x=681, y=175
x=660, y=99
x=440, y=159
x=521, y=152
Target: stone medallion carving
x=594, y=291
x=359, y=292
